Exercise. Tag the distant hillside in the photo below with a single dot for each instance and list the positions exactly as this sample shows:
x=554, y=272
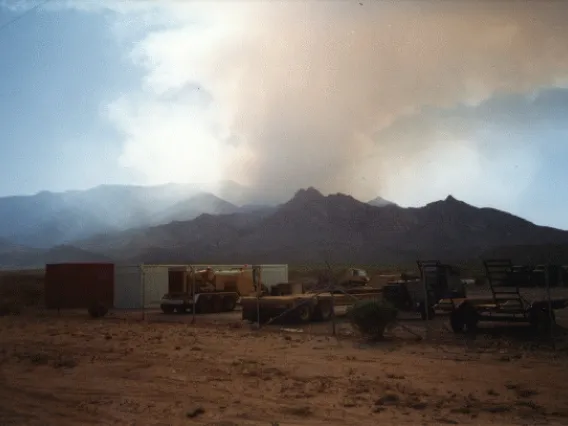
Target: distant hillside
x=28, y=258
x=312, y=228
x=532, y=254
x=47, y=219
x=195, y=206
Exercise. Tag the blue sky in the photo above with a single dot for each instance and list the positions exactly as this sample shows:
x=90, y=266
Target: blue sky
x=58, y=70
x=114, y=95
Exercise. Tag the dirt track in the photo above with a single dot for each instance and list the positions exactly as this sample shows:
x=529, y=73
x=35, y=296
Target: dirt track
x=72, y=370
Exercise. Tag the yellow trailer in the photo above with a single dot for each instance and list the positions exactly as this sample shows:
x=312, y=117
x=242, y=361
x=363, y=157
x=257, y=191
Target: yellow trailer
x=304, y=307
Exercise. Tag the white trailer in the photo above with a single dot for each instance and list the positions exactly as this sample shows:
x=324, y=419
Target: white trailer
x=140, y=286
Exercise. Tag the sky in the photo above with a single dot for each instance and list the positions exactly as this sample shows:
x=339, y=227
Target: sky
x=411, y=101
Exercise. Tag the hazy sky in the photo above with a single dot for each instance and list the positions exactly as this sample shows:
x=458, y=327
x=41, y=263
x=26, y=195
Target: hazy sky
x=411, y=101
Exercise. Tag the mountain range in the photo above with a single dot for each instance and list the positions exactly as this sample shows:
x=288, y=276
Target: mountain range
x=187, y=224
x=47, y=218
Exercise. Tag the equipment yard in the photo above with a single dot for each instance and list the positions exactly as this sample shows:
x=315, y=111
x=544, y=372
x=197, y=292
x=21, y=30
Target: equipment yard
x=146, y=367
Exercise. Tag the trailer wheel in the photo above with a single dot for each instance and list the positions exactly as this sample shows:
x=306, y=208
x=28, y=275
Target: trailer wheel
x=304, y=313
x=203, y=305
x=245, y=316
x=167, y=309
x=229, y=303
x=464, y=319
x=97, y=310
x=541, y=319
x=323, y=311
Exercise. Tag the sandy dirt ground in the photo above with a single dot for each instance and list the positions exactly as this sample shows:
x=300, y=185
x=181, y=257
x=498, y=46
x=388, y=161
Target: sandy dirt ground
x=78, y=371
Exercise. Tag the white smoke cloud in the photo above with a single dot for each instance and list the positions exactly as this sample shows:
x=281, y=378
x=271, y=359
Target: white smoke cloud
x=284, y=95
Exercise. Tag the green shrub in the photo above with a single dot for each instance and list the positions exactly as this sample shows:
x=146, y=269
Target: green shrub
x=372, y=317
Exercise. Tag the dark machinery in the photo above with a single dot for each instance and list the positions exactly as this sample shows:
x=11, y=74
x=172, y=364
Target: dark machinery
x=506, y=302
x=437, y=284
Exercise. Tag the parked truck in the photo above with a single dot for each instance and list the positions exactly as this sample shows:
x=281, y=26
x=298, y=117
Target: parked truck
x=208, y=291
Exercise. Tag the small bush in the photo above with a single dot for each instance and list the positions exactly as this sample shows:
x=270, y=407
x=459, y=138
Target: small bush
x=97, y=310
x=372, y=317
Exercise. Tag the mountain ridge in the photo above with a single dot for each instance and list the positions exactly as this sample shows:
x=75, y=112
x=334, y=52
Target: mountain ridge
x=309, y=227
x=47, y=218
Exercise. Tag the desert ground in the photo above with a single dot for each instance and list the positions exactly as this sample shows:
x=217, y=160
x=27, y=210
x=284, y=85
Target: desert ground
x=69, y=369
x=73, y=370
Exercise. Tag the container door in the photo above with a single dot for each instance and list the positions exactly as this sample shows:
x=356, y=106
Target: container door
x=128, y=288
x=155, y=285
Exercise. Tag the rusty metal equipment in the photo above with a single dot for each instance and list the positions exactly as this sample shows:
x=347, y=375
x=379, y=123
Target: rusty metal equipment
x=294, y=304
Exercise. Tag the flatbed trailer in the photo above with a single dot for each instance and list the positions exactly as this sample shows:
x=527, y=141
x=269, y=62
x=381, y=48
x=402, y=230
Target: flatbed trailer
x=303, y=307
x=506, y=303
x=204, y=303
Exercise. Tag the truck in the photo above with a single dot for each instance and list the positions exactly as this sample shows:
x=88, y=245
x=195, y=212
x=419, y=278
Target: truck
x=208, y=291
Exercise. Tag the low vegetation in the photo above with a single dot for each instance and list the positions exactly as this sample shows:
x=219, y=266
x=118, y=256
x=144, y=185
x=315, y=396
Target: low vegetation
x=372, y=317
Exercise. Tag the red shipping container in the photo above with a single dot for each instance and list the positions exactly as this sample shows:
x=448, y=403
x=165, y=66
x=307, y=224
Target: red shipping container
x=78, y=285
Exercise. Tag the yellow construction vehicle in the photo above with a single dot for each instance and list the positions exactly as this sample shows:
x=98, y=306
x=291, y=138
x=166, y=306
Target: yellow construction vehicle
x=209, y=291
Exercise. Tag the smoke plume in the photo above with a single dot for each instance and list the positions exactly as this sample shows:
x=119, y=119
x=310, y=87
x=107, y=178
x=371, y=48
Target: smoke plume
x=332, y=94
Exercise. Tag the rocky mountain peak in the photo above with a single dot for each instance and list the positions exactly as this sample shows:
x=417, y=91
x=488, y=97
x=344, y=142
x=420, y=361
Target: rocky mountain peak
x=308, y=195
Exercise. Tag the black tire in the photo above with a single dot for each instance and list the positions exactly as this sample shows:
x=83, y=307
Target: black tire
x=203, y=305
x=304, y=313
x=323, y=311
x=542, y=320
x=229, y=303
x=464, y=319
x=97, y=310
x=251, y=315
x=167, y=309
x=244, y=316
x=216, y=304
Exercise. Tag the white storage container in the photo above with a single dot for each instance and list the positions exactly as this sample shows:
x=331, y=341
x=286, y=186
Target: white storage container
x=138, y=286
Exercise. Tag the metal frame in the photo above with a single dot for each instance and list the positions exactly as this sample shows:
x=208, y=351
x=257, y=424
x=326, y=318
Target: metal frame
x=426, y=268
x=433, y=277
x=498, y=272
